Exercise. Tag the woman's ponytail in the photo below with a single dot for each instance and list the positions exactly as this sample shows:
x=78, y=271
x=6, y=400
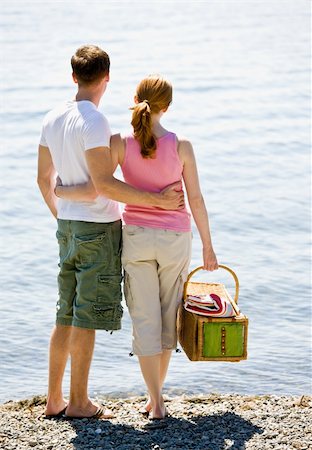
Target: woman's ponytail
x=153, y=94
x=142, y=128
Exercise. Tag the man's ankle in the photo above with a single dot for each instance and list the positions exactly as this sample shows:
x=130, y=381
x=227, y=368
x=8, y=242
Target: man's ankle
x=55, y=399
x=80, y=402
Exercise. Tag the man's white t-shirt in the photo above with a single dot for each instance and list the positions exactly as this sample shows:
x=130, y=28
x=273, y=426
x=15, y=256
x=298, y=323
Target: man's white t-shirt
x=68, y=131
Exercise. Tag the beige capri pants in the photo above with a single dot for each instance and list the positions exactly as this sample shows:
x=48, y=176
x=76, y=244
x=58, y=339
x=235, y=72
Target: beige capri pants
x=156, y=263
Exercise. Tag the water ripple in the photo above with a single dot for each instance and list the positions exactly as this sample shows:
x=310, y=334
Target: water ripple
x=241, y=96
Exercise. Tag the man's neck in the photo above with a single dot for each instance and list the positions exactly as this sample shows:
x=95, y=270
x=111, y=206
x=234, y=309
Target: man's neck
x=90, y=95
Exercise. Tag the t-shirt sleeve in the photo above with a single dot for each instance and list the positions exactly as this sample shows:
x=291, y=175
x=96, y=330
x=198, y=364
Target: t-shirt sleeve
x=42, y=139
x=96, y=132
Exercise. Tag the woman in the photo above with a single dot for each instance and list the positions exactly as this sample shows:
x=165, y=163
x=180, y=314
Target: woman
x=156, y=243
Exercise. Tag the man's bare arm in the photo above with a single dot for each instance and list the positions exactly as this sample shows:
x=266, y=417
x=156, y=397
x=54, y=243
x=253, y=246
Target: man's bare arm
x=46, y=178
x=101, y=171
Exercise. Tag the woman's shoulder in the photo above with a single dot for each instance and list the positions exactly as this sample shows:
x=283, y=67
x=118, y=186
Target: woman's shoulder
x=115, y=140
x=127, y=137
x=121, y=138
x=180, y=140
x=185, y=147
x=183, y=140
x=117, y=148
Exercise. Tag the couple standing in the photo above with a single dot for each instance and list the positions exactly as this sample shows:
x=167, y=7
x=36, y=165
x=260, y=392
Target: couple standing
x=76, y=144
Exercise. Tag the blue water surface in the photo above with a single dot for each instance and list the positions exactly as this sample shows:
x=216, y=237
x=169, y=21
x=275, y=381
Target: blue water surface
x=240, y=72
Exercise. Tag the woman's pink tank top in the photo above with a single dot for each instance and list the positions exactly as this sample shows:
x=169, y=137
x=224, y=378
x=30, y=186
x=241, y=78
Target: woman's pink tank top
x=153, y=175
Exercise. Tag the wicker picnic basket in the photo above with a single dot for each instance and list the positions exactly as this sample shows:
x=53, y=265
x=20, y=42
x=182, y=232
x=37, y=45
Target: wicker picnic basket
x=209, y=338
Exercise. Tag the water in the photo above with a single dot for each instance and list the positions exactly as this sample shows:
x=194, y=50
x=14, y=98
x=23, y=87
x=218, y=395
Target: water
x=240, y=72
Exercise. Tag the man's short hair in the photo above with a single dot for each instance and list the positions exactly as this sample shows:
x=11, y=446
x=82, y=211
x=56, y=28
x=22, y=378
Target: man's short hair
x=90, y=63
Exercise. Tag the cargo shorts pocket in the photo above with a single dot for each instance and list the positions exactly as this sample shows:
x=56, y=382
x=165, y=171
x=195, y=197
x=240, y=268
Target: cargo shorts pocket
x=107, y=313
x=109, y=289
x=108, y=301
x=63, y=246
x=92, y=248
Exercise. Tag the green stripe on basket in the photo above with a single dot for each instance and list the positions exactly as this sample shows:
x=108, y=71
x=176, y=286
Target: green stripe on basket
x=234, y=339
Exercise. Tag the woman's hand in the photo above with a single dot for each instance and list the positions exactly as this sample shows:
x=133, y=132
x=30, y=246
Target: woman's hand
x=209, y=259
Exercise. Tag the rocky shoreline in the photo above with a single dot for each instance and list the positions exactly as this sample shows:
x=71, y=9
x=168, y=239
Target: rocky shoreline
x=207, y=422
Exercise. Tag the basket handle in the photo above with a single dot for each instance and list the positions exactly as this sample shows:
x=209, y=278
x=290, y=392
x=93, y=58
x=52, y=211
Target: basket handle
x=220, y=266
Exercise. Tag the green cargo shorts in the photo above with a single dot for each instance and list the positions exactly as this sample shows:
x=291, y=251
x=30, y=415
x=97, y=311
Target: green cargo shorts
x=89, y=280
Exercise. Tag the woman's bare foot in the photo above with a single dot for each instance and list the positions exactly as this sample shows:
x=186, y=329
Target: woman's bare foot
x=55, y=409
x=159, y=411
x=148, y=407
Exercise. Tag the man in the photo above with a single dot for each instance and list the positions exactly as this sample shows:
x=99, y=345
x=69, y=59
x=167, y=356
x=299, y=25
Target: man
x=74, y=144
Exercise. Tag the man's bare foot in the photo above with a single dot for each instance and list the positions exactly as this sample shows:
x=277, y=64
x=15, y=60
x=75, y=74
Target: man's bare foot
x=89, y=411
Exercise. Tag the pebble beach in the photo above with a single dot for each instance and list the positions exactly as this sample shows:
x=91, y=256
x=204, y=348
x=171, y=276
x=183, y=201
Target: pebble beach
x=206, y=422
